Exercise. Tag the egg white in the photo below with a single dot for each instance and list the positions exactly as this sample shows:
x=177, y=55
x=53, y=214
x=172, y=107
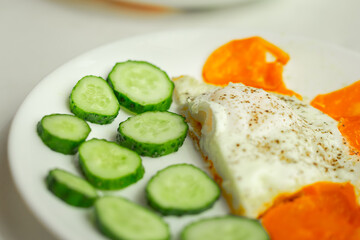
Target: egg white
x=262, y=144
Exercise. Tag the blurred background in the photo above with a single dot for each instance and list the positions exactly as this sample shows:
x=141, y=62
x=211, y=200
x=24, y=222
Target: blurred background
x=37, y=36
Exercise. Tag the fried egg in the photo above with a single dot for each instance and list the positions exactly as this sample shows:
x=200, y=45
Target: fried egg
x=263, y=145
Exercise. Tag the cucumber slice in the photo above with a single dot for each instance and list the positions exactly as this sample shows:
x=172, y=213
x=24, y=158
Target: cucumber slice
x=119, y=218
x=181, y=189
x=153, y=134
x=92, y=99
x=140, y=86
x=109, y=166
x=70, y=188
x=63, y=133
x=225, y=228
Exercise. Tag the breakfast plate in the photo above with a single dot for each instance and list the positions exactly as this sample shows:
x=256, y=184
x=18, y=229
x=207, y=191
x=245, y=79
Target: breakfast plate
x=314, y=68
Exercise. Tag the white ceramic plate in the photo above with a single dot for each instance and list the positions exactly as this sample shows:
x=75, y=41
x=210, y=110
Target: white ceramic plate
x=314, y=68
x=188, y=4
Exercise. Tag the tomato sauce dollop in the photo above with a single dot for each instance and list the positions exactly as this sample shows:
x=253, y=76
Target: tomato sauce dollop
x=246, y=61
x=343, y=105
x=321, y=211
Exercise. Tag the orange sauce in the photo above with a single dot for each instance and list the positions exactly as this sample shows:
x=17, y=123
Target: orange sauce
x=344, y=106
x=245, y=61
x=344, y=102
x=321, y=211
x=350, y=130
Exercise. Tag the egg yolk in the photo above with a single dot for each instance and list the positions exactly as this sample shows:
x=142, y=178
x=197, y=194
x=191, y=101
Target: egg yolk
x=245, y=61
x=324, y=210
x=344, y=106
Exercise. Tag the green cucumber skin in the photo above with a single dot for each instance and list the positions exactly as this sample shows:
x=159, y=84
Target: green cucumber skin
x=134, y=107
x=107, y=232
x=150, y=149
x=71, y=197
x=139, y=108
x=177, y=212
x=91, y=117
x=68, y=147
x=183, y=232
x=104, y=229
x=111, y=184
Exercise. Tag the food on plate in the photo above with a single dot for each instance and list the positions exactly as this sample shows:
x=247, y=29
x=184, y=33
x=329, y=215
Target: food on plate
x=343, y=105
x=261, y=145
x=70, y=188
x=93, y=100
x=153, y=134
x=323, y=210
x=275, y=157
x=63, y=132
x=252, y=61
x=118, y=218
x=108, y=166
x=350, y=129
x=141, y=86
x=225, y=227
x=181, y=189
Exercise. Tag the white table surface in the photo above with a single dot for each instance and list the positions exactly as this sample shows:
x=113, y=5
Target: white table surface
x=37, y=36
